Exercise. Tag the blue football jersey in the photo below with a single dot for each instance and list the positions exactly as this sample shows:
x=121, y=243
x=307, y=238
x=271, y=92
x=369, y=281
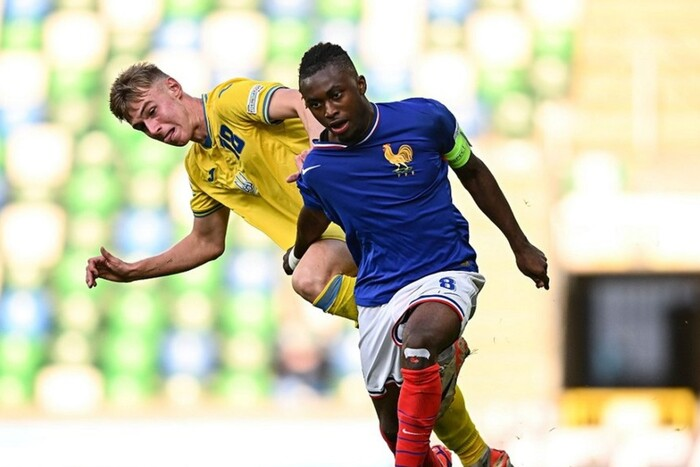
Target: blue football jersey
x=391, y=195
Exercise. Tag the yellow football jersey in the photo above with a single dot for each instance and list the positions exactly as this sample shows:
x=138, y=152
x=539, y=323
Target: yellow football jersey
x=246, y=159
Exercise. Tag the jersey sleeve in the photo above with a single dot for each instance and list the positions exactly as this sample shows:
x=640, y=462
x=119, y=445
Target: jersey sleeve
x=245, y=99
x=454, y=145
x=202, y=204
x=309, y=197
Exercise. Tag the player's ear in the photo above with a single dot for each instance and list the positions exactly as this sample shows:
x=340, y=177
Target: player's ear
x=173, y=86
x=362, y=84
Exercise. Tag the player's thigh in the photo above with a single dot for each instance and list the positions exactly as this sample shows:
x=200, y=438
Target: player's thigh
x=328, y=257
x=439, y=307
x=379, y=353
x=433, y=326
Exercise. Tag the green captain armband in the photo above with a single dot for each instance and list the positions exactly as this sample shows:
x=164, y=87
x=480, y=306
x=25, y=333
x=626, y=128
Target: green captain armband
x=459, y=154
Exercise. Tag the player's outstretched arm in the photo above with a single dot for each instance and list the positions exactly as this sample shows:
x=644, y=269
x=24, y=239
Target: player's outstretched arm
x=288, y=103
x=483, y=187
x=205, y=242
x=310, y=226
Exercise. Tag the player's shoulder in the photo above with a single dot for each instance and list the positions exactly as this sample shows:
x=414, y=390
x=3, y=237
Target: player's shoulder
x=234, y=87
x=240, y=88
x=412, y=105
x=425, y=104
x=421, y=111
x=240, y=96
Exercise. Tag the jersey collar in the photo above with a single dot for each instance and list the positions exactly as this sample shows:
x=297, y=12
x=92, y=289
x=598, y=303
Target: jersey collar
x=323, y=140
x=207, y=142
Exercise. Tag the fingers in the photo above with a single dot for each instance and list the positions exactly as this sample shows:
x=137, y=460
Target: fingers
x=91, y=274
x=539, y=276
x=108, y=261
x=533, y=263
x=300, y=158
x=299, y=162
x=90, y=280
x=545, y=277
x=541, y=280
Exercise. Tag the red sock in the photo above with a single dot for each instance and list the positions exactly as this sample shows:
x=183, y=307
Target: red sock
x=419, y=403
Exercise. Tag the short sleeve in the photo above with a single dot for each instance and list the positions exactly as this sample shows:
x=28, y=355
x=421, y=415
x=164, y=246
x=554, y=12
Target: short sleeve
x=309, y=197
x=244, y=99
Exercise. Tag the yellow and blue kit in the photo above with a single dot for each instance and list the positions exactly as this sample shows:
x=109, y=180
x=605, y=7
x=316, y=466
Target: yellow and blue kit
x=246, y=159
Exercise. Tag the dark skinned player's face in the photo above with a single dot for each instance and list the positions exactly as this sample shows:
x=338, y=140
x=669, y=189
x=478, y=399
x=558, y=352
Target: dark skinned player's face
x=336, y=97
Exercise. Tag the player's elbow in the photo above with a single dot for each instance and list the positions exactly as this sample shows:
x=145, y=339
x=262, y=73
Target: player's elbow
x=216, y=250
x=209, y=251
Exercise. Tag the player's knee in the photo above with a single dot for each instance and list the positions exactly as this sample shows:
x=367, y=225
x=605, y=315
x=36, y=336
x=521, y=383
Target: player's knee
x=420, y=342
x=417, y=358
x=424, y=339
x=308, y=284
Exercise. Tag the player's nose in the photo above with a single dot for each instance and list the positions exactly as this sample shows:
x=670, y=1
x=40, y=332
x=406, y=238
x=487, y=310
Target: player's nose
x=329, y=110
x=152, y=127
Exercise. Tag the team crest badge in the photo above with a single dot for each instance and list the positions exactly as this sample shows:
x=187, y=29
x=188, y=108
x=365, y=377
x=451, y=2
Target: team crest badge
x=244, y=184
x=400, y=159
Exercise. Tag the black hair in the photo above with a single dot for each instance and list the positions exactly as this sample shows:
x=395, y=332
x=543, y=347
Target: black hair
x=322, y=55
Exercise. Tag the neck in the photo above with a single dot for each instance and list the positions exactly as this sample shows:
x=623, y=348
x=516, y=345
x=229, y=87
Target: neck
x=199, y=119
x=369, y=112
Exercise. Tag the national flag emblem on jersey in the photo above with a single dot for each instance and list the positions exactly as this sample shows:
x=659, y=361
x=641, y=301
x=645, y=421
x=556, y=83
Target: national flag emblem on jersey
x=400, y=159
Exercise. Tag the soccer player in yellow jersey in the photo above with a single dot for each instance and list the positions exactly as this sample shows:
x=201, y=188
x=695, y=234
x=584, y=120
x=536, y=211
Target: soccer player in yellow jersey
x=245, y=135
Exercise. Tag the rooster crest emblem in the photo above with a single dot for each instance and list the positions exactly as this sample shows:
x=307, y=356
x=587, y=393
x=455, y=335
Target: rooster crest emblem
x=400, y=160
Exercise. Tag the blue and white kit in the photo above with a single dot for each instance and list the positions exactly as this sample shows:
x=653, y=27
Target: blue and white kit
x=391, y=195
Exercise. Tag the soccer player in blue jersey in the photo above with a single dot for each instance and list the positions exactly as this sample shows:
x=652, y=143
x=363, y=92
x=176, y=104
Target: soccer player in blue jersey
x=380, y=171
x=242, y=137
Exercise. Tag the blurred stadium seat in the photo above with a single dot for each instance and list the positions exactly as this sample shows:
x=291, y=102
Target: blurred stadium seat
x=575, y=104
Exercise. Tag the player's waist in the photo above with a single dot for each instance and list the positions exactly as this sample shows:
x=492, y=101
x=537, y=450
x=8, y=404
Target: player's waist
x=375, y=289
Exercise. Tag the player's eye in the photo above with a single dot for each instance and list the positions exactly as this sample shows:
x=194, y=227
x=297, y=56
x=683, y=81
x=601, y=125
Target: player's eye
x=151, y=111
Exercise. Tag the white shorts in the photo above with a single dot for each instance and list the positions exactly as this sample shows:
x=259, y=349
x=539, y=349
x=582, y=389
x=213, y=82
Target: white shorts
x=381, y=327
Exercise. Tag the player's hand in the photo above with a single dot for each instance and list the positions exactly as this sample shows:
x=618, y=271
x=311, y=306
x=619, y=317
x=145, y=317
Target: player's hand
x=106, y=266
x=299, y=161
x=533, y=263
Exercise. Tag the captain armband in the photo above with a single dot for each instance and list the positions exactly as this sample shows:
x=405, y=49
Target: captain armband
x=459, y=154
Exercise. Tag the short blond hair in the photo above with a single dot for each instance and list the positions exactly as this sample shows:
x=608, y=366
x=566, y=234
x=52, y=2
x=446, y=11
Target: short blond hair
x=132, y=84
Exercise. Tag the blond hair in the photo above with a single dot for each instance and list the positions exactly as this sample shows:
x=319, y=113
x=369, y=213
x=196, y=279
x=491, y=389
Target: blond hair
x=131, y=85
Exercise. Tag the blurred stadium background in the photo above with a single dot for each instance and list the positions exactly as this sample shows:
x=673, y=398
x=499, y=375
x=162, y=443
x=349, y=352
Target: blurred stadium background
x=585, y=110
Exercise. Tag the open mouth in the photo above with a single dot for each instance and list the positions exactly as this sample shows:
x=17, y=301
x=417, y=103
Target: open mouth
x=339, y=128
x=168, y=136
